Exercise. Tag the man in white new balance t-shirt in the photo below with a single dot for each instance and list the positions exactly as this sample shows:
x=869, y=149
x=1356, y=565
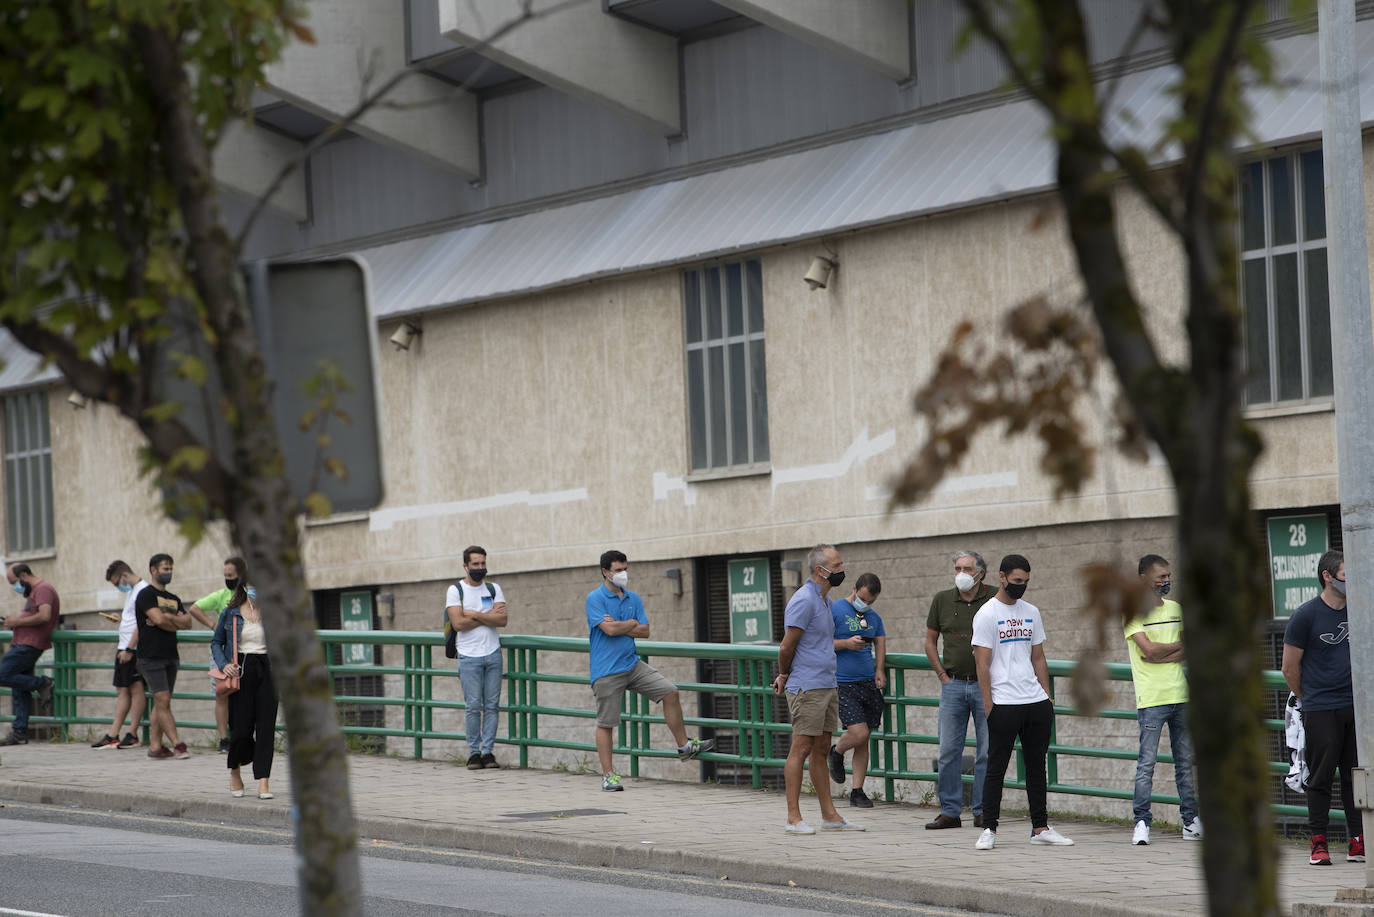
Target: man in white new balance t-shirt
x=476, y=609
x=1008, y=649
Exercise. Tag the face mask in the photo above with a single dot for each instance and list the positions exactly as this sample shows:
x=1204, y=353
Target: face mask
x=620, y=579
x=1162, y=589
x=834, y=579
x=251, y=592
x=124, y=587
x=1016, y=590
x=231, y=583
x=859, y=604
x=963, y=582
x=477, y=574
x=1338, y=585
x=18, y=587
x=164, y=578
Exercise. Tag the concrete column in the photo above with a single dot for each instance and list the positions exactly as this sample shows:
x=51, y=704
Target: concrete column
x=873, y=32
x=577, y=49
x=359, y=44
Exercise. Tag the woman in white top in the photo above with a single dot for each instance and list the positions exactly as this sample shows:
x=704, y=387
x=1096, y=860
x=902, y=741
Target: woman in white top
x=239, y=648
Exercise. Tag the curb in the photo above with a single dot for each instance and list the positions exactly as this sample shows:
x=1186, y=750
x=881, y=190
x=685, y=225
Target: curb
x=511, y=842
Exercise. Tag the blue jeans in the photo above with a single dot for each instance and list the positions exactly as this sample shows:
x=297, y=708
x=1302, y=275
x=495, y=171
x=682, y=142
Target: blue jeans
x=1152, y=720
x=16, y=673
x=481, y=678
x=958, y=701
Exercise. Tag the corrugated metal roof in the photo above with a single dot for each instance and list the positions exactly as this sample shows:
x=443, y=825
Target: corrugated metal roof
x=924, y=168
x=22, y=367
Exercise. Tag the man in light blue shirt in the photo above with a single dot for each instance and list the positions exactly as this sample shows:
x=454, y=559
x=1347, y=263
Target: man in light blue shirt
x=806, y=672
x=615, y=617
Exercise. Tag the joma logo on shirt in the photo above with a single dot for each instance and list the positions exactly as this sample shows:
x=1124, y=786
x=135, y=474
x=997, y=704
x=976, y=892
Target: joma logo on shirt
x=1339, y=637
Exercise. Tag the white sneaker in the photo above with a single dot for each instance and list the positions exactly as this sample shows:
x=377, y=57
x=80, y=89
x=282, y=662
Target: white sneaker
x=842, y=825
x=1193, y=830
x=1051, y=837
x=1141, y=836
x=986, y=840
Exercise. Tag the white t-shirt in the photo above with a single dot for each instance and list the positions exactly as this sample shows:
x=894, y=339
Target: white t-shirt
x=480, y=641
x=1010, y=631
x=253, y=639
x=128, y=624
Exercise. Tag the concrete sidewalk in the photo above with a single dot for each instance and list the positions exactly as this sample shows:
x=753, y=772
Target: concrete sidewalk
x=697, y=829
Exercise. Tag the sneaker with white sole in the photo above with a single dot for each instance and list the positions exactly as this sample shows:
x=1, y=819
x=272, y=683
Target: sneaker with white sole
x=1141, y=836
x=1355, y=854
x=843, y=824
x=800, y=827
x=1193, y=830
x=695, y=747
x=611, y=783
x=986, y=840
x=1052, y=838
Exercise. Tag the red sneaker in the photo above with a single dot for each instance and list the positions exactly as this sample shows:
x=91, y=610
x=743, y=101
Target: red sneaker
x=163, y=752
x=1320, y=855
x=1356, y=852
x=180, y=750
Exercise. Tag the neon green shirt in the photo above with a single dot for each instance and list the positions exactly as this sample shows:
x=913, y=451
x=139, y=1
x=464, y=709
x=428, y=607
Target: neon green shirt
x=1157, y=683
x=216, y=601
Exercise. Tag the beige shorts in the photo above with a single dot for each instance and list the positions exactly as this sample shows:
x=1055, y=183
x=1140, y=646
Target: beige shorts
x=609, y=689
x=815, y=712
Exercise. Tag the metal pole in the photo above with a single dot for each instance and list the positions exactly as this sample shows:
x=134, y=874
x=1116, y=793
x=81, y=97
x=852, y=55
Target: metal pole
x=1352, y=348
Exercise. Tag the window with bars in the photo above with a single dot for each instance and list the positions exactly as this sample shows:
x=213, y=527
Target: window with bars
x=727, y=395
x=1283, y=282
x=28, y=473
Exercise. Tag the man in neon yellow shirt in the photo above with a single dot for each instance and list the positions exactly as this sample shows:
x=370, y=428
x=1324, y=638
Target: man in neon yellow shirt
x=215, y=603
x=1154, y=640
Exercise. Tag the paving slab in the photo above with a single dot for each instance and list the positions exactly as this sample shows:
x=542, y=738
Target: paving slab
x=725, y=833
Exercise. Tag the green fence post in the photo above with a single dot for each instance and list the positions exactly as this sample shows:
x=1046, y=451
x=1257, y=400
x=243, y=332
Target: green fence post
x=1052, y=764
x=427, y=694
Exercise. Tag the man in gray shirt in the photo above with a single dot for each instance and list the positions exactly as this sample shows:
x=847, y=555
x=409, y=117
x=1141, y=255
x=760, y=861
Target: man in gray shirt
x=806, y=672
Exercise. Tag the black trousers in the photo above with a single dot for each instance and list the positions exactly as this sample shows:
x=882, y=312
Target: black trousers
x=1330, y=746
x=253, y=717
x=1032, y=724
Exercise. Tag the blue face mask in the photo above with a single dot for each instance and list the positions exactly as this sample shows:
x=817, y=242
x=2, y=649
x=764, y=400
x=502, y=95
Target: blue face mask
x=124, y=587
x=251, y=592
x=859, y=604
x=18, y=587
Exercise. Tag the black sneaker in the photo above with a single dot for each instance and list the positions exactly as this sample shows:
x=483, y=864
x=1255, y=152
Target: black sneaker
x=106, y=742
x=224, y=746
x=14, y=738
x=129, y=741
x=859, y=799
x=836, y=761
x=489, y=760
x=475, y=762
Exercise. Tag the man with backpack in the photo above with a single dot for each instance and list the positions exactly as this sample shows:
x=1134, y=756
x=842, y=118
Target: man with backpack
x=475, y=609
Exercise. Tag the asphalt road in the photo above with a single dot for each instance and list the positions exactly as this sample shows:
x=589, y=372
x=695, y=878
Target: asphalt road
x=73, y=863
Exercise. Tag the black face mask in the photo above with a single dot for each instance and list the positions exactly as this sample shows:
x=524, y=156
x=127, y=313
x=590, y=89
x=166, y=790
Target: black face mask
x=164, y=578
x=477, y=574
x=1162, y=589
x=1016, y=590
x=231, y=584
x=834, y=579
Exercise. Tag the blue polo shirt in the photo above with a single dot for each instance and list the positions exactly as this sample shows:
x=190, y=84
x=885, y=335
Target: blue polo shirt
x=612, y=655
x=813, y=666
x=855, y=665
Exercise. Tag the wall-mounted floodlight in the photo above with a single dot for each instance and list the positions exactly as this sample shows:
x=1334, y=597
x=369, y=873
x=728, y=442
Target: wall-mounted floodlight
x=818, y=275
x=404, y=335
x=674, y=575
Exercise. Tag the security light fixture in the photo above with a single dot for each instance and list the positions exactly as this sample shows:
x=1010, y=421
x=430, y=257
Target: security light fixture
x=76, y=400
x=403, y=335
x=818, y=275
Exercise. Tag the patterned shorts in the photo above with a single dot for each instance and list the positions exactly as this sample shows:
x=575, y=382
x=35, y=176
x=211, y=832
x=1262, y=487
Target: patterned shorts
x=861, y=702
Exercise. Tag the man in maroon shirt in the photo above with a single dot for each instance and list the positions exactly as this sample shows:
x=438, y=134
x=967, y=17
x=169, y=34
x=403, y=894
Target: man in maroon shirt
x=32, y=629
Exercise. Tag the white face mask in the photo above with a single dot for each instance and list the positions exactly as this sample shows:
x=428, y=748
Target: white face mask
x=620, y=579
x=963, y=582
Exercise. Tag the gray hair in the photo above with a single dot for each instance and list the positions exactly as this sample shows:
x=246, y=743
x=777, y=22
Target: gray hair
x=977, y=559
x=816, y=557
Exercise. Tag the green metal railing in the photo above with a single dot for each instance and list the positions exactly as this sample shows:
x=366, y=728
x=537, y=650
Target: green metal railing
x=891, y=746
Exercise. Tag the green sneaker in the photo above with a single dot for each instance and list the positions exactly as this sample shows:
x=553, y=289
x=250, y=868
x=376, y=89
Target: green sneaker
x=611, y=783
x=695, y=747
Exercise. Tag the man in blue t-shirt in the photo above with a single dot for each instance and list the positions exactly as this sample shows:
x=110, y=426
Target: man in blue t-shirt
x=615, y=617
x=860, y=673
x=1316, y=665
